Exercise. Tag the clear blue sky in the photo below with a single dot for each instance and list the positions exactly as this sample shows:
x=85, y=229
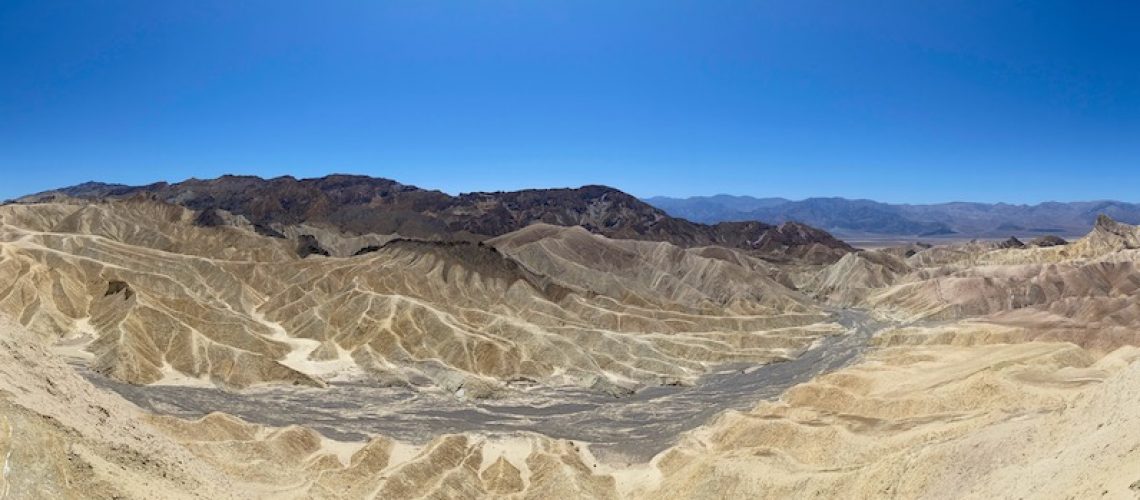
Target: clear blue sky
x=897, y=101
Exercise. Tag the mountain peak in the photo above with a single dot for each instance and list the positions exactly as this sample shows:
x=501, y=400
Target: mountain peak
x=1110, y=234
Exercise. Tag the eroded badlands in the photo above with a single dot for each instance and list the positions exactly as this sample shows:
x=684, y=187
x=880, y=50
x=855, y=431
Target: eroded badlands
x=145, y=355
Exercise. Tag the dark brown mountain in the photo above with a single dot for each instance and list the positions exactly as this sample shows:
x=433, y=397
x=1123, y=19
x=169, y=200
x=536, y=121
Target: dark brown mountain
x=1048, y=241
x=1012, y=242
x=360, y=205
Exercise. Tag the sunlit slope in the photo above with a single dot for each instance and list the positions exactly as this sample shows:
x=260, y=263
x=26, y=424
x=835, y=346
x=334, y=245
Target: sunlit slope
x=1012, y=372
x=153, y=297
x=60, y=437
x=1014, y=377
x=937, y=421
x=1089, y=282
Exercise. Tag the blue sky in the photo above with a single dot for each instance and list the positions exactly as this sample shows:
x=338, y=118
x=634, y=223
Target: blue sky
x=895, y=101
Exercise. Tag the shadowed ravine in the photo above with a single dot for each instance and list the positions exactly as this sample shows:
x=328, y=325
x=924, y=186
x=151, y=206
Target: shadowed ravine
x=629, y=429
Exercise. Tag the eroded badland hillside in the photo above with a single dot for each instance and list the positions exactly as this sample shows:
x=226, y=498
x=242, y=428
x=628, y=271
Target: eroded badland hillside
x=357, y=338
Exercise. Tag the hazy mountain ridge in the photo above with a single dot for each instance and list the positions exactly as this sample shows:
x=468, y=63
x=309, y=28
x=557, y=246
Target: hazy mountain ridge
x=849, y=217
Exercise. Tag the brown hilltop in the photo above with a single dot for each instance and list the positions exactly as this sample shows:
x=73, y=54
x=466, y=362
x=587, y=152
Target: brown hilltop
x=364, y=205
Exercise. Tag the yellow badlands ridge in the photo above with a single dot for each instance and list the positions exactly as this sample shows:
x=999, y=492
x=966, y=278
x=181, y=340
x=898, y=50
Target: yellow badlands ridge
x=166, y=300
x=1003, y=373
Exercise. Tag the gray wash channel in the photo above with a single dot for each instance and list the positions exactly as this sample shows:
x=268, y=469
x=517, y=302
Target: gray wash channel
x=631, y=429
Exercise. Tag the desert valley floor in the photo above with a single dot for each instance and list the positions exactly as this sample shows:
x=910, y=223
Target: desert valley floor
x=184, y=341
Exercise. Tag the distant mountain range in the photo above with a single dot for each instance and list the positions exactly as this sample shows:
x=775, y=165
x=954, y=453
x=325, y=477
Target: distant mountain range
x=367, y=205
x=857, y=218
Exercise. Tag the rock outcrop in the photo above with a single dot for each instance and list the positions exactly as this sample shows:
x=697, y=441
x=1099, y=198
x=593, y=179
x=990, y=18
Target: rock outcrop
x=307, y=245
x=1048, y=241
